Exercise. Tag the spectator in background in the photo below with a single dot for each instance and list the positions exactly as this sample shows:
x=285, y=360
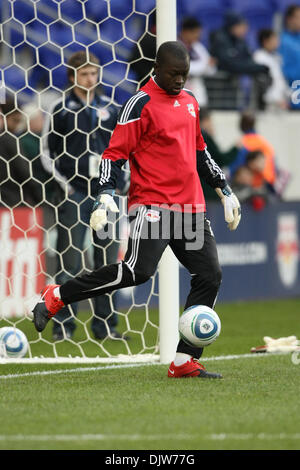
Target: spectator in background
x=76, y=134
x=256, y=162
x=230, y=48
x=242, y=182
x=16, y=183
x=222, y=158
x=290, y=49
x=143, y=53
x=278, y=93
x=201, y=63
x=253, y=141
x=272, y=175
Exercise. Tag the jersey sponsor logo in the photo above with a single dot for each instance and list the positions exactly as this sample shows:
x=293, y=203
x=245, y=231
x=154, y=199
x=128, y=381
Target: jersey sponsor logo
x=176, y=104
x=191, y=109
x=152, y=215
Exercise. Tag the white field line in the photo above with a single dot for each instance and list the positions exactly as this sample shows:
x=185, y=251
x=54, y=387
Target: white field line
x=149, y=437
x=124, y=366
x=93, y=437
x=69, y=371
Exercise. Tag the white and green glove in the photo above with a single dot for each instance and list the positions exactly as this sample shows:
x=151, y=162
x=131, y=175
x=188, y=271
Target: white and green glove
x=232, y=208
x=102, y=204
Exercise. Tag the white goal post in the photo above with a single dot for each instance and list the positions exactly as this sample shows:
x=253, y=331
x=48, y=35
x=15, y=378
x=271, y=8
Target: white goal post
x=22, y=250
x=169, y=266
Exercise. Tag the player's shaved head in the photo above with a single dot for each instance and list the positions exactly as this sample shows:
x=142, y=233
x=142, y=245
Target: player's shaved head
x=171, y=50
x=171, y=66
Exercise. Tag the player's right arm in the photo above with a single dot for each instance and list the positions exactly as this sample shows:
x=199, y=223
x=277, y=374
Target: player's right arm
x=124, y=141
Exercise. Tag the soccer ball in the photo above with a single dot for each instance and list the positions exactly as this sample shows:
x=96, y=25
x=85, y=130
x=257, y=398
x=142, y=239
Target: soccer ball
x=199, y=326
x=13, y=342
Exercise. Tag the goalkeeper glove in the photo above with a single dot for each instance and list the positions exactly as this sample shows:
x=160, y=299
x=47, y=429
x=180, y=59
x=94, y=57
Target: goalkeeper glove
x=102, y=204
x=232, y=208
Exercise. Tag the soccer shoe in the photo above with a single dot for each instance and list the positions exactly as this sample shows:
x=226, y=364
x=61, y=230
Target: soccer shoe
x=191, y=368
x=46, y=308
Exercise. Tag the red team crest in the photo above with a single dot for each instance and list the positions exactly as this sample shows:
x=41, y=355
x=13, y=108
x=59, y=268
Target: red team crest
x=191, y=109
x=152, y=215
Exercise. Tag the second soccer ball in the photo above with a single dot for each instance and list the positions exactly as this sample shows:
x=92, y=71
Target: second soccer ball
x=13, y=342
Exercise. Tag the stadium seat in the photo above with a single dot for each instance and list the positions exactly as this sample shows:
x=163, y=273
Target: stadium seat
x=59, y=77
x=145, y=6
x=251, y=5
x=15, y=79
x=258, y=14
x=114, y=81
x=86, y=32
x=60, y=34
x=72, y=11
x=23, y=11
x=111, y=30
x=49, y=56
x=210, y=13
x=282, y=5
x=38, y=77
x=114, y=73
x=123, y=49
x=36, y=33
x=96, y=9
x=13, y=33
x=135, y=26
x=120, y=9
x=47, y=11
x=103, y=51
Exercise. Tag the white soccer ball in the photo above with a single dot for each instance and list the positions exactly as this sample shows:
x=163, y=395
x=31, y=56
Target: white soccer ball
x=13, y=342
x=199, y=326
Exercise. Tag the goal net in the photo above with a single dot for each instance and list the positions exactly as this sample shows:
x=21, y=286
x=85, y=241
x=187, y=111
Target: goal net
x=38, y=39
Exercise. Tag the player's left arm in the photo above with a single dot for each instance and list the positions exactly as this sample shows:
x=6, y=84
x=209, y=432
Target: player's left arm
x=214, y=176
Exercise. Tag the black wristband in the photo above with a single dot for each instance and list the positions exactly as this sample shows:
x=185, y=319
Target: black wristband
x=227, y=191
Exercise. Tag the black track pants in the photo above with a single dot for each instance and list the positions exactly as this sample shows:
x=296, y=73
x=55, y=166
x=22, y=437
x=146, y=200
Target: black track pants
x=151, y=231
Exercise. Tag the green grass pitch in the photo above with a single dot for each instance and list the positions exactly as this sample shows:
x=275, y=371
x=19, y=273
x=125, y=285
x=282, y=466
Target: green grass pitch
x=255, y=406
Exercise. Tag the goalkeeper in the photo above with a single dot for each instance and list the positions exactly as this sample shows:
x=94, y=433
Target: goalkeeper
x=158, y=131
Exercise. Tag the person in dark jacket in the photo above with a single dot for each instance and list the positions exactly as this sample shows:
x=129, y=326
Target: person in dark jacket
x=16, y=183
x=77, y=131
x=230, y=49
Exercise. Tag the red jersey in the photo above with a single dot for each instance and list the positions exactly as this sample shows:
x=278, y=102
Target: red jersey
x=160, y=135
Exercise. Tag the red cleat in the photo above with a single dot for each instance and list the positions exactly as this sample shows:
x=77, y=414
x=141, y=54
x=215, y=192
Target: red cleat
x=47, y=307
x=191, y=368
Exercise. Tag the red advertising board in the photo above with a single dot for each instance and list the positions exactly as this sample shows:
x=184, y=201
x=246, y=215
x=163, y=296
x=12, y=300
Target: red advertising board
x=22, y=262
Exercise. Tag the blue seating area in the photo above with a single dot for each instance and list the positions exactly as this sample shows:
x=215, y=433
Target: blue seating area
x=55, y=29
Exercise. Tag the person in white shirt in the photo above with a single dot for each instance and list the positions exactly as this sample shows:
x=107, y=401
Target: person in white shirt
x=201, y=63
x=278, y=93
